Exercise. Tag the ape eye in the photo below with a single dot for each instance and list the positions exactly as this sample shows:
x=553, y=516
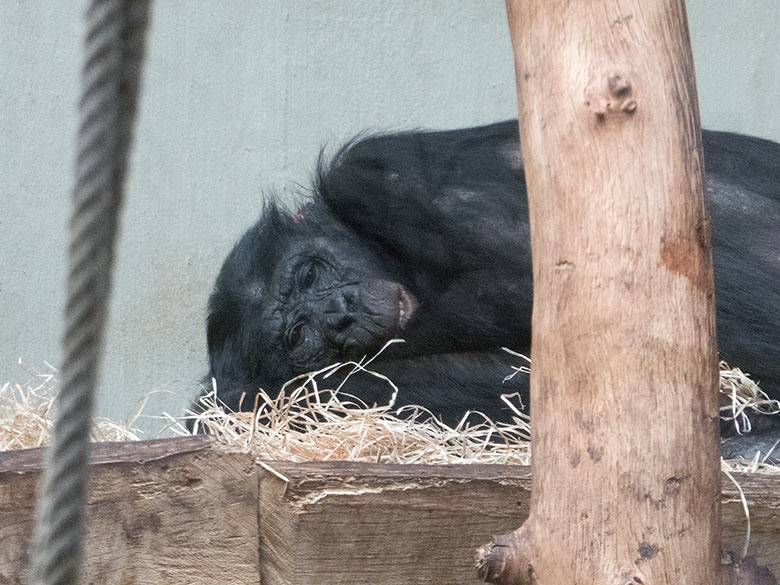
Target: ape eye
x=295, y=335
x=309, y=275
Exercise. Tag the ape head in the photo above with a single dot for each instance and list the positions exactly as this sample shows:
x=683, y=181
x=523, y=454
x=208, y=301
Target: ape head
x=419, y=236
x=299, y=292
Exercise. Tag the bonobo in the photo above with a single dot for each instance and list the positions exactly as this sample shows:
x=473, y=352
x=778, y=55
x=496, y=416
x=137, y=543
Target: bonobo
x=424, y=236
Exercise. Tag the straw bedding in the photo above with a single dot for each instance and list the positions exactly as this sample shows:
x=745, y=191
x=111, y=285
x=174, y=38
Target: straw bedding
x=306, y=422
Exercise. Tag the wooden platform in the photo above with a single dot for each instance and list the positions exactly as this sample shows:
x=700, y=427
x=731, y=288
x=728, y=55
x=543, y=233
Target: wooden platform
x=179, y=511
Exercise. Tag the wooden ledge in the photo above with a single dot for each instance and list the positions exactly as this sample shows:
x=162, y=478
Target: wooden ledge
x=176, y=511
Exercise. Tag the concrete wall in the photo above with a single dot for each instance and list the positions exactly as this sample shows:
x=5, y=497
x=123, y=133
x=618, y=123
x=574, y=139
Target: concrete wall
x=238, y=98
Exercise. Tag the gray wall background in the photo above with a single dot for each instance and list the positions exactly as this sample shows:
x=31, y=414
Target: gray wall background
x=238, y=99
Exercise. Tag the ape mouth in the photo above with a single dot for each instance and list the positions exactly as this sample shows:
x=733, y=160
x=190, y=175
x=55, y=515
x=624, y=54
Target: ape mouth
x=387, y=308
x=407, y=306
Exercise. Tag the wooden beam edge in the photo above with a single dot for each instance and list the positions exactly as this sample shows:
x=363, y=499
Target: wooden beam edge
x=31, y=460
x=764, y=488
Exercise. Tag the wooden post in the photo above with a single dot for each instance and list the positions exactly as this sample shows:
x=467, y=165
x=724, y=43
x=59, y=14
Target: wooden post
x=623, y=386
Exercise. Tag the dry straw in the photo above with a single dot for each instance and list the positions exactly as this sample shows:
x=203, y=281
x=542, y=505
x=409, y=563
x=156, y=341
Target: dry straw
x=309, y=422
x=27, y=419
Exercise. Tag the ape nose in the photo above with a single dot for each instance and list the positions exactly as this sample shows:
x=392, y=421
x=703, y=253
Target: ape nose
x=350, y=297
x=338, y=313
x=340, y=323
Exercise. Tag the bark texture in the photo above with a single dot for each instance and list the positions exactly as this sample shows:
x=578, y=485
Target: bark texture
x=625, y=437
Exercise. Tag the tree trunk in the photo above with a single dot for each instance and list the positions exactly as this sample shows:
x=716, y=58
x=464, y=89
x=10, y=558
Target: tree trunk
x=625, y=463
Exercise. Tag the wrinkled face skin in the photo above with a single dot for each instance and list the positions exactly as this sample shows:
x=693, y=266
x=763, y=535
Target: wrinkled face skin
x=313, y=296
x=331, y=300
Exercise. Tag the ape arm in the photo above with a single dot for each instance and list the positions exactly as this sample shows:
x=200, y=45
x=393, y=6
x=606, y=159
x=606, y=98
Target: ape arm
x=443, y=383
x=445, y=201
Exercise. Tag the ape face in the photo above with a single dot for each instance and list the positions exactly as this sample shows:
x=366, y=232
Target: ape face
x=312, y=295
x=331, y=305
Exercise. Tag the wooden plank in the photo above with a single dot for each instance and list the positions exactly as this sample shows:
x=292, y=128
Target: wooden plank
x=160, y=512
x=402, y=524
x=31, y=460
x=762, y=493
x=178, y=511
x=361, y=523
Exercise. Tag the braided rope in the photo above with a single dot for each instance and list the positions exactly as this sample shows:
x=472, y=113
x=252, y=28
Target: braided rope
x=114, y=50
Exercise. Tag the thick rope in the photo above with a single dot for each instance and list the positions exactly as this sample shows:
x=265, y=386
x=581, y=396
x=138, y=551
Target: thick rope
x=114, y=50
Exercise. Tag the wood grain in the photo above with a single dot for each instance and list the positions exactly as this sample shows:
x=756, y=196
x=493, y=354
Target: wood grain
x=180, y=511
x=159, y=512
x=624, y=383
x=354, y=523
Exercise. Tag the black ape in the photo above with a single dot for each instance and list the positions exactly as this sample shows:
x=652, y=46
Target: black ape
x=424, y=236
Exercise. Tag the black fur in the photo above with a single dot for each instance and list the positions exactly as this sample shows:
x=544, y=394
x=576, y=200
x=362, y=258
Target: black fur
x=437, y=223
